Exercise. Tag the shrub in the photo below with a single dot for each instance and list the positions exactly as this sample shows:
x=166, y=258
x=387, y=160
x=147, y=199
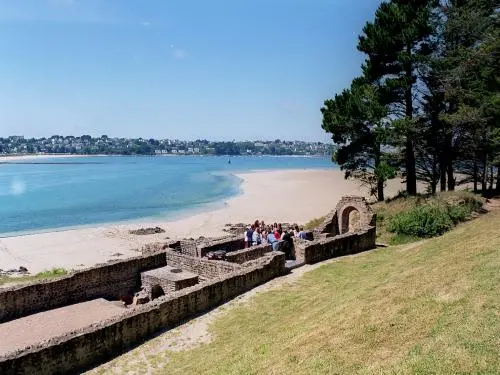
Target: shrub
x=314, y=223
x=422, y=221
x=458, y=213
x=52, y=272
x=433, y=219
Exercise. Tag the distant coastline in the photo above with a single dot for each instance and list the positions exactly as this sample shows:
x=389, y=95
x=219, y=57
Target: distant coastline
x=8, y=158
x=87, y=145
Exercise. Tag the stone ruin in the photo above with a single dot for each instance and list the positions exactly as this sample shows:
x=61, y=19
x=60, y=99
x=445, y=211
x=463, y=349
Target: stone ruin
x=171, y=282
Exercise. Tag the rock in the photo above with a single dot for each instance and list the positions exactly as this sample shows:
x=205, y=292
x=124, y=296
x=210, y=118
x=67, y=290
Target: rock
x=23, y=269
x=141, y=298
x=144, y=231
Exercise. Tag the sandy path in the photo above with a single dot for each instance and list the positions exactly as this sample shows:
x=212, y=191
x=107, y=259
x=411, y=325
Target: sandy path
x=32, y=329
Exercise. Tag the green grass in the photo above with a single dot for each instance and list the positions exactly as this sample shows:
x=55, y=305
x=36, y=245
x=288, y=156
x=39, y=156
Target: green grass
x=314, y=223
x=48, y=274
x=426, y=308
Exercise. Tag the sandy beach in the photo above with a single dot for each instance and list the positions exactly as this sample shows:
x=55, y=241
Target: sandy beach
x=36, y=157
x=295, y=196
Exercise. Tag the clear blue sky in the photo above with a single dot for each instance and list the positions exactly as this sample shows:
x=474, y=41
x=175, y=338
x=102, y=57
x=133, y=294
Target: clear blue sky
x=239, y=69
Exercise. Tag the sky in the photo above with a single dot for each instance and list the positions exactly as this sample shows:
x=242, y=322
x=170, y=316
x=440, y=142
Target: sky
x=179, y=69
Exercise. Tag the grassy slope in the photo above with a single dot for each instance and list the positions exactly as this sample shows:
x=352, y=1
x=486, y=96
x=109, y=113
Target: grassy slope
x=425, y=308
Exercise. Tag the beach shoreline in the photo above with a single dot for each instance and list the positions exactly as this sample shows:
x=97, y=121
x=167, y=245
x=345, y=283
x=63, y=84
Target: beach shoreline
x=10, y=158
x=293, y=196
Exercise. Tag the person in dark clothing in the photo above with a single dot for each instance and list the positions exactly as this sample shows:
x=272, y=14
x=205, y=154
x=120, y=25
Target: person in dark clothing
x=249, y=234
x=288, y=245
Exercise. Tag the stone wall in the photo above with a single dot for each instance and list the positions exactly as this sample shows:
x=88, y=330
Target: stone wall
x=168, y=279
x=109, y=281
x=207, y=269
x=348, y=204
x=251, y=253
x=79, y=350
x=330, y=224
x=227, y=244
x=332, y=247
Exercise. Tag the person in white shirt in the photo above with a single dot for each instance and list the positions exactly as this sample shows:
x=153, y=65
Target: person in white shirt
x=256, y=238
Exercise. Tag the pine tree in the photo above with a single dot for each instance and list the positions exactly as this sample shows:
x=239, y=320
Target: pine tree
x=470, y=78
x=397, y=44
x=356, y=120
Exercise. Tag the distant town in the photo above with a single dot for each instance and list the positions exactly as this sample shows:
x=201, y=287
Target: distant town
x=87, y=145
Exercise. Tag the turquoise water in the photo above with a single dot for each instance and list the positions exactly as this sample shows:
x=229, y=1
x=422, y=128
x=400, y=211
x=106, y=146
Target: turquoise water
x=95, y=190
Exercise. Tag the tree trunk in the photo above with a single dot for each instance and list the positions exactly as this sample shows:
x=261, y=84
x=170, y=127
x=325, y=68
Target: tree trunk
x=492, y=179
x=380, y=190
x=484, y=177
x=411, y=178
x=434, y=179
x=475, y=172
x=451, y=178
x=433, y=186
x=442, y=178
x=411, y=170
x=498, y=179
x=380, y=179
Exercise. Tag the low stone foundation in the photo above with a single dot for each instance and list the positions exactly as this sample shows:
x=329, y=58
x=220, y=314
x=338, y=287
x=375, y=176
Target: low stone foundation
x=207, y=269
x=109, y=281
x=168, y=279
x=227, y=244
x=251, y=253
x=86, y=347
x=332, y=247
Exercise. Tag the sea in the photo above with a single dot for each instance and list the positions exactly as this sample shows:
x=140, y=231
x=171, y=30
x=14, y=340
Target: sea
x=49, y=194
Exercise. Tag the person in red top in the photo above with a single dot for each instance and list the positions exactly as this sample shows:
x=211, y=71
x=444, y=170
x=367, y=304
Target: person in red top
x=277, y=233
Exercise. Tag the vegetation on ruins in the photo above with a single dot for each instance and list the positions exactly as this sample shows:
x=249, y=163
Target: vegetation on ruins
x=43, y=275
x=427, y=103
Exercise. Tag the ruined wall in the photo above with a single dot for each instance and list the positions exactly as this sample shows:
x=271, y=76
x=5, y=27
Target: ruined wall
x=208, y=269
x=227, y=244
x=330, y=224
x=254, y=252
x=79, y=350
x=108, y=281
x=331, y=247
x=349, y=203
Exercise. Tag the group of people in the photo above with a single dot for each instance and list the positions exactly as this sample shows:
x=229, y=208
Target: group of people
x=260, y=233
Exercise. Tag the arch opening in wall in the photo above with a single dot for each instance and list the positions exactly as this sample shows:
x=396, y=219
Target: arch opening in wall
x=354, y=221
x=156, y=291
x=350, y=220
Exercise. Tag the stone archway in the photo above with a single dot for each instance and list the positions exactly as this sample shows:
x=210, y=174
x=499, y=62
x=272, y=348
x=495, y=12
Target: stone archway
x=156, y=291
x=349, y=205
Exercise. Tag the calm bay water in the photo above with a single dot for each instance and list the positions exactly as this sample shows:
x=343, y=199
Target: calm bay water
x=96, y=190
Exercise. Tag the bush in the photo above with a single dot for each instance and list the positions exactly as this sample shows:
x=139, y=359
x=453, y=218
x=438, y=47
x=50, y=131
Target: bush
x=458, y=213
x=422, y=221
x=51, y=273
x=433, y=219
x=314, y=223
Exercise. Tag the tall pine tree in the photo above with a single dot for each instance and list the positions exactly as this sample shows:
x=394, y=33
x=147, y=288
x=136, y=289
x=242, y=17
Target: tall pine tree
x=357, y=121
x=397, y=45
